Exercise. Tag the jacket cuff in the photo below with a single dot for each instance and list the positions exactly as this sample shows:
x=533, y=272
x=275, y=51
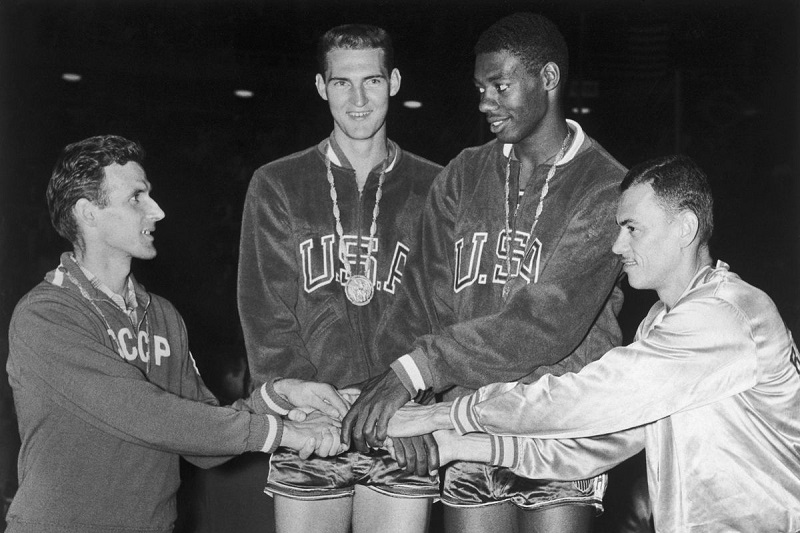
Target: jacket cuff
x=404, y=368
x=274, y=402
x=463, y=415
x=266, y=432
x=412, y=369
x=505, y=451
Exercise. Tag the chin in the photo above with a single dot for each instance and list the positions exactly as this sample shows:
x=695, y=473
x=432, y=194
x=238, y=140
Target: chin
x=634, y=283
x=147, y=255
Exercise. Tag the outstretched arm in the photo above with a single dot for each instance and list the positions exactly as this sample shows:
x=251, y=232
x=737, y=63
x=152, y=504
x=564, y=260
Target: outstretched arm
x=414, y=419
x=563, y=459
x=510, y=341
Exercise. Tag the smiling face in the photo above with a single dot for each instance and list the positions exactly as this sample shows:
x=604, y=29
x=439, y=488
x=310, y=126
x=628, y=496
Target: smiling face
x=123, y=228
x=357, y=87
x=514, y=100
x=649, y=243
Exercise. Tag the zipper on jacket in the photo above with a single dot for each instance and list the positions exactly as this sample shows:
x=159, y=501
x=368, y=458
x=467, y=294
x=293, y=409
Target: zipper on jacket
x=359, y=323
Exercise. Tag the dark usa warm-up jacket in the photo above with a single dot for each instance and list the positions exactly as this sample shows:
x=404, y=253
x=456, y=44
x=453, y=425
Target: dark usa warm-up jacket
x=451, y=316
x=295, y=317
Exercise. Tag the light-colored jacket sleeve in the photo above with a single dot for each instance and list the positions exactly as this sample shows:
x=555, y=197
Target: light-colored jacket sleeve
x=566, y=459
x=701, y=352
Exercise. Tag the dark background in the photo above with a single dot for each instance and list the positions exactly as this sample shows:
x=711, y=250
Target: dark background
x=714, y=79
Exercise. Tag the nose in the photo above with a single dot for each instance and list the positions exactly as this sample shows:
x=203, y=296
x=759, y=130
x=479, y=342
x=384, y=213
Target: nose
x=154, y=211
x=359, y=96
x=621, y=243
x=487, y=103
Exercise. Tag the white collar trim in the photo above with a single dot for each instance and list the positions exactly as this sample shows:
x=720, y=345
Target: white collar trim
x=577, y=142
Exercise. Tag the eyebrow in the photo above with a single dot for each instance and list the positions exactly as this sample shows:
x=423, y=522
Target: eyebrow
x=492, y=78
x=371, y=77
x=625, y=222
x=142, y=186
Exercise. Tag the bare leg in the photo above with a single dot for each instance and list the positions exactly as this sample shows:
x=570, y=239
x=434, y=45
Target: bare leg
x=320, y=516
x=487, y=519
x=373, y=511
x=561, y=519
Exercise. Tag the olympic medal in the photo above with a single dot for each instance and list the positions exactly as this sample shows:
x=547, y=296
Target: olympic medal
x=359, y=290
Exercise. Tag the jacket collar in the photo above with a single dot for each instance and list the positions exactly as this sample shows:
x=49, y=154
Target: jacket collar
x=332, y=149
x=70, y=276
x=578, y=137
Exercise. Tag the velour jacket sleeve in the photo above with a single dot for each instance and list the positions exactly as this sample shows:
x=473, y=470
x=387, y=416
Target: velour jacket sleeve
x=269, y=277
x=701, y=352
x=424, y=303
x=543, y=323
x=60, y=352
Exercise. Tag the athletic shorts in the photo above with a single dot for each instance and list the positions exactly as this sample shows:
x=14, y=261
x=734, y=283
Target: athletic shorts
x=322, y=478
x=479, y=485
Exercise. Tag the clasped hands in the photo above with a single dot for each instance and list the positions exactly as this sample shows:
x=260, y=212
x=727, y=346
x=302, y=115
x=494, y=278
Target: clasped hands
x=313, y=426
x=367, y=421
x=371, y=415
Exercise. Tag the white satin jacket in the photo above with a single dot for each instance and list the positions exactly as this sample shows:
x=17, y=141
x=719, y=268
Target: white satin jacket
x=711, y=390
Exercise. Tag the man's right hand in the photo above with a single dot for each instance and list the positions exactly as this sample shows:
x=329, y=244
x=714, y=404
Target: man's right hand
x=318, y=434
x=369, y=416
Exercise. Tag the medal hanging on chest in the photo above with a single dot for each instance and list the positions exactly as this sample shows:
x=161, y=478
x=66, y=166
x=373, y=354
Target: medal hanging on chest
x=358, y=288
x=516, y=282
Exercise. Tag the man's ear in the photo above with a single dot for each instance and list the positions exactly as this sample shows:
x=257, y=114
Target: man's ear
x=321, y=89
x=85, y=212
x=689, y=226
x=551, y=76
x=394, y=82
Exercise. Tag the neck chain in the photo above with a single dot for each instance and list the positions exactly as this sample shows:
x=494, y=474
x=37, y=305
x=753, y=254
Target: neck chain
x=358, y=288
x=515, y=282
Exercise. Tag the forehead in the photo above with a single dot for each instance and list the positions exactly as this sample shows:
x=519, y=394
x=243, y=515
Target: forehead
x=500, y=64
x=123, y=178
x=345, y=62
x=639, y=203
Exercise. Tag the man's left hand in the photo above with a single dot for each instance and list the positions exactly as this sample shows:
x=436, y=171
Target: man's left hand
x=417, y=455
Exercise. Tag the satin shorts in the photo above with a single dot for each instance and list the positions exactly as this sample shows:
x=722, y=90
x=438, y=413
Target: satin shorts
x=320, y=478
x=478, y=485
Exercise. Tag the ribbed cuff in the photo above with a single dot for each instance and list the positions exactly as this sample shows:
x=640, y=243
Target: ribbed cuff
x=266, y=432
x=274, y=401
x=505, y=451
x=462, y=415
x=408, y=374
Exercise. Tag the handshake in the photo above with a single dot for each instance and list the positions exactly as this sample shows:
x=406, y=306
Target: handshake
x=325, y=420
x=313, y=425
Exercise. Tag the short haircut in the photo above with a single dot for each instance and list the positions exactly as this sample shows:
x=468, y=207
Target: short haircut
x=534, y=39
x=678, y=184
x=355, y=37
x=79, y=173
